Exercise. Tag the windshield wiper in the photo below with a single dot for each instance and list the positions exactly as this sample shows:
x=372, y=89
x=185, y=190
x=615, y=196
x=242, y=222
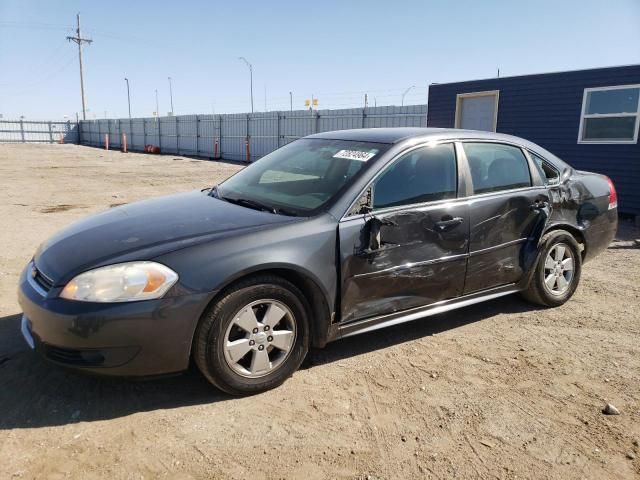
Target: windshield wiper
x=245, y=202
x=256, y=205
x=287, y=212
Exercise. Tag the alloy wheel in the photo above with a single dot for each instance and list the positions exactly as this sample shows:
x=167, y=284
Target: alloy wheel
x=259, y=338
x=559, y=269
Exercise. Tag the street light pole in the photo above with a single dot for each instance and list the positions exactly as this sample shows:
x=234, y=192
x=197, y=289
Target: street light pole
x=128, y=97
x=291, y=101
x=157, y=108
x=250, y=78
x=171, y=95
x=405, y=93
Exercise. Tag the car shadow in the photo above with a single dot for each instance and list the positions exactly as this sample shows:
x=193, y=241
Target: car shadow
x=36, y=393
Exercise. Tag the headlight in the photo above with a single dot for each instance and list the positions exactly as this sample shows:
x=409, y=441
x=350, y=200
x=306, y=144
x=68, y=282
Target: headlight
x=123, y=282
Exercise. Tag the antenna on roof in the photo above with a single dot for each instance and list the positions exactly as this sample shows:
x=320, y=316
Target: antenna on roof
x=498, y=72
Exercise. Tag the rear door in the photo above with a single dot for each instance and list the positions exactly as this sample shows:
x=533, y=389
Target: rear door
x=507, y=210
x=411, y=249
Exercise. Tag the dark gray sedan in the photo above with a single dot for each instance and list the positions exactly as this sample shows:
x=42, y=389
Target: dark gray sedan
x=332, y=235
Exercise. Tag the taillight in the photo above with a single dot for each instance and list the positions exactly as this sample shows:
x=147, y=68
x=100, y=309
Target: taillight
x=613, y=195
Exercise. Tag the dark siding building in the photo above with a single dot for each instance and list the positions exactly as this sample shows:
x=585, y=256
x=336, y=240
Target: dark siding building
x=589, y=118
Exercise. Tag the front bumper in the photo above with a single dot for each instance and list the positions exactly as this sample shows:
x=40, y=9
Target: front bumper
x=142, y=338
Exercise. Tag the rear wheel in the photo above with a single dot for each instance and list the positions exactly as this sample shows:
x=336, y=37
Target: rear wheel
x=557, y=272
x=253, y=338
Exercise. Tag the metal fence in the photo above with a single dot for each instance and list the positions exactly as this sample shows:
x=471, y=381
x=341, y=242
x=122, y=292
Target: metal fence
x=240, y=137
x=27, y=131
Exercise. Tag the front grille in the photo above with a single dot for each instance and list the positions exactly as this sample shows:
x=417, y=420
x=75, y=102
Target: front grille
x=44, y=282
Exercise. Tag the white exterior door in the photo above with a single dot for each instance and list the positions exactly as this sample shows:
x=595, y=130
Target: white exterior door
x=477, y=111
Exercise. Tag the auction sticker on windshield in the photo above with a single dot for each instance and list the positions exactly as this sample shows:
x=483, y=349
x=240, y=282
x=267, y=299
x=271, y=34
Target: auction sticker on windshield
x=356, y=155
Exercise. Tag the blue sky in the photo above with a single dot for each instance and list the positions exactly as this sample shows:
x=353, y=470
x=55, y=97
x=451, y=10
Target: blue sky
x=335, y=50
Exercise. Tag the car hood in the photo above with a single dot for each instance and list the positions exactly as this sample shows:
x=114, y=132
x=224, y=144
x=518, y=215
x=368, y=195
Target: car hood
x=143, y=230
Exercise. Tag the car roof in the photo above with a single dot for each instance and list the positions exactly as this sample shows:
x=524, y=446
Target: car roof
x=399, y=134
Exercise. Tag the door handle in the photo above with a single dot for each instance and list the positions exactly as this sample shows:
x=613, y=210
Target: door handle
x=539, y=205
x=448, y=222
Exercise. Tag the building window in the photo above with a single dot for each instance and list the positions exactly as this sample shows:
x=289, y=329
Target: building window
x=610, y=115
x=477, y=110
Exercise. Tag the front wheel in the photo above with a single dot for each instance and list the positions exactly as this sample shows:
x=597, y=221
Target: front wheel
x=557, y=272
x=253, y=338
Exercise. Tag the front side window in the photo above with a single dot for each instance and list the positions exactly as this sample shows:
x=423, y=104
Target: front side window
x=302, y=176
x=495, y=167
x=423, y=175
x=610, y=115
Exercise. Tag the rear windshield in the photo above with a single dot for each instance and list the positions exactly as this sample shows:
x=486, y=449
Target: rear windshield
x=302, y=176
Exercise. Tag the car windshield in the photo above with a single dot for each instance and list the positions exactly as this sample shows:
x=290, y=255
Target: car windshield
x=300, y=177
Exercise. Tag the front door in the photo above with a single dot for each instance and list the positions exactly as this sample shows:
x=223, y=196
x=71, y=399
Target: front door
x=507, y=213
x=411, y=249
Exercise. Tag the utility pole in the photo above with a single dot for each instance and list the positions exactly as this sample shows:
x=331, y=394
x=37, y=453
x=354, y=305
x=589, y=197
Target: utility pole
x=128, y=97
x=171, y=95
x=79, y=40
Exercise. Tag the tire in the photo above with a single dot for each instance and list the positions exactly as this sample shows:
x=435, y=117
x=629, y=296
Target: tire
x=232, y=321
x=547, y=286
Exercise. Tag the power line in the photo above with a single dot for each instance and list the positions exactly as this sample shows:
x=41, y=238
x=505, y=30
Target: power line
x=33, y=25
x=124, y=38
x=353, y=101
x=34, y=68
x=25, y=88
x=79, y=40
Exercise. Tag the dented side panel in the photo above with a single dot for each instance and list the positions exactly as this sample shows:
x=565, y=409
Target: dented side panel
x=502, y=227
x=582, y=202
x=418, y=262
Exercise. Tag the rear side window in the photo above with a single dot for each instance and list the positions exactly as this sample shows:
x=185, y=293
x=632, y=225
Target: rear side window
x=495, y=167
x=549, y=174
x=424, y=175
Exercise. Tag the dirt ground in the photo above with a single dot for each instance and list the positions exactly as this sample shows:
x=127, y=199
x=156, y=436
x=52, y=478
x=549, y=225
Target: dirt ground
x=497, y=390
